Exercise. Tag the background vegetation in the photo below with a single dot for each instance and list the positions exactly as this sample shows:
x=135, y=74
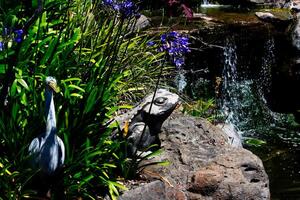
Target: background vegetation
x=100, y=64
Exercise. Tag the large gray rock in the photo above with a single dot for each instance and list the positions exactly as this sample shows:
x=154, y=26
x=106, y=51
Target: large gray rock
x=277, y=16
x=296, y=33
x=142, y=23
x=277, y=3
x=203, y=166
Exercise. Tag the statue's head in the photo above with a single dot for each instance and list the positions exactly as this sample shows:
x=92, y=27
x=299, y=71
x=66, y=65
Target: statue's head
x=52, y=83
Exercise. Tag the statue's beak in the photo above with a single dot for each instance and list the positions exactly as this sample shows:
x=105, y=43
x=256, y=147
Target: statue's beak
x=54, y=86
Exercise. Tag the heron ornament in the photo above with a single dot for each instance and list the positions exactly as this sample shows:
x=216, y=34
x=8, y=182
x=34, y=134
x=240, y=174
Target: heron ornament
x=48, y=150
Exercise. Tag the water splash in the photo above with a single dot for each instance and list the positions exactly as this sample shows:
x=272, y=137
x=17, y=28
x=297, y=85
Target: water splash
x=180, y=80
x=229, y=76
x=243, y=100
x=242, y=104
x=265, y=74
x=205, y=2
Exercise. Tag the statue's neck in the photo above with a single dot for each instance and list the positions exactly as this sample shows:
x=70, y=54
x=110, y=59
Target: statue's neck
x=50, y=113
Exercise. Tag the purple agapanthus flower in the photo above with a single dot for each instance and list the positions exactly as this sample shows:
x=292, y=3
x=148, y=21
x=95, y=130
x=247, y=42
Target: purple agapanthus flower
x=151, y=43
x=175, y=44
x=19, y=36
x=1, y=46
x=126, y=8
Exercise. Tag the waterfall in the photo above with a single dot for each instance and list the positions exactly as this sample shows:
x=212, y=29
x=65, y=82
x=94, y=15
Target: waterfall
x=268, y=60
x=229, y=77
x=180, y=80
x=205, y=2
x=230, y=94
x=243, y=101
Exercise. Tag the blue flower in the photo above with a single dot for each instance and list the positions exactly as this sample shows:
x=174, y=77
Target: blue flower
x=176, y=46
x=1, y=46
x=108, y=2
x=178, y=62
x=126, y=8
x=151, y=43
x=19, y=36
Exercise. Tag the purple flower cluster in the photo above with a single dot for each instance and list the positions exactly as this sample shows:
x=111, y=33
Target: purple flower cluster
x=175, y=45
x=6, y=35
x=126, y=8
x=19, y=35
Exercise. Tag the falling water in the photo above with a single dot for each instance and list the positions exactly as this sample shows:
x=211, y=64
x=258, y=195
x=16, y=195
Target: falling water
x=242, y=103
x=265, y=75
x=180, y=80
x=243, y=100
x=229, y=76
x=205, y=2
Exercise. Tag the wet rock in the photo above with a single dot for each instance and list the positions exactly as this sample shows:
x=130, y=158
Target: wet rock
x=275, y=16
x=234, y=139
x=266, y=16
x=295, y=6
x=277, y=3
x=296, y=33
x=256, y=1
x=142, y=23
x=204, y=166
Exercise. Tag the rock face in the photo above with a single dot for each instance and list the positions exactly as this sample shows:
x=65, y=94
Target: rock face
x=277, y=3
x=275, y=17
x=203, y=166
x=296, y=33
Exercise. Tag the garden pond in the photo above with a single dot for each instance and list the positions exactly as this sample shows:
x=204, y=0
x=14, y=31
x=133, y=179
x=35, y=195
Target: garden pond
x=249, y=66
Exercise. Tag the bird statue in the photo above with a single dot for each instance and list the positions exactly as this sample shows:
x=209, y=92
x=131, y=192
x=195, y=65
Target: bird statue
x=47, y=150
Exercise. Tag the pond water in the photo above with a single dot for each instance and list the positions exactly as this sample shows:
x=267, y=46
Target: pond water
x=259, y=82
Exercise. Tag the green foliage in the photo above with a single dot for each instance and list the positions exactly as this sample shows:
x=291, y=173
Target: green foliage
x=201, y=108
x=131, y=167
x=98, y=67
x=254, y=142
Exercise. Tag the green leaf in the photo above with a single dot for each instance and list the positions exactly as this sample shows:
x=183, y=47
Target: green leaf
x=91, y=101
x=96, y=153
x=119, y=185
x=24, y=99
x=109, y=165
x=76, y=87
x=254, y=142
x=77, y=175
x=15, y=110
x=2, y=68
x=76, y=95
x=34, y=3
x=71, y=79
x=13, y=88
x=49, y=51
x=23, y=83
x=86, y=180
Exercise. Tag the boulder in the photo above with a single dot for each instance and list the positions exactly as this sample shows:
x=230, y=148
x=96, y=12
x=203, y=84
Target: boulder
x=276, y=16
x=234, y=138
x=266, y=16
x=296, y=33
x=295, y=6
x=203, y=166
x=276, y=3
x=142, y=23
